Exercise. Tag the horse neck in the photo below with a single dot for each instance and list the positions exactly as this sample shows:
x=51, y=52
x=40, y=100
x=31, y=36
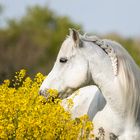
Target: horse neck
x=112, y=95
x=122, y=92
x=107, y=83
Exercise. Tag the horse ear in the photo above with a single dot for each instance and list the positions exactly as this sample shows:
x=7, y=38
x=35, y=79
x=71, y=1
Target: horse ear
x=75, y=35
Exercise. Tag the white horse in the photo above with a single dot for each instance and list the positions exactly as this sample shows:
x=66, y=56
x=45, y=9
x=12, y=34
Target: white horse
x=86, y=60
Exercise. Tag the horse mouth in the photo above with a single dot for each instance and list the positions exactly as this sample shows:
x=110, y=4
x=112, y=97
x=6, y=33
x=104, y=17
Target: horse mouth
x=64, y=95
x=67, y=93
x=61, y=94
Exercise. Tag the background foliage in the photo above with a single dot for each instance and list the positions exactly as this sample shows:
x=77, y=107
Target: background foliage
x=33, y=41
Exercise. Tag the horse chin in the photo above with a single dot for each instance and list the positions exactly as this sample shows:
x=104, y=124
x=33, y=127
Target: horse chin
x=65, y=94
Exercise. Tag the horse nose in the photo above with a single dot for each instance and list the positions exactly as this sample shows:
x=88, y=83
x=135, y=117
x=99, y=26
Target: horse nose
x=43, y=92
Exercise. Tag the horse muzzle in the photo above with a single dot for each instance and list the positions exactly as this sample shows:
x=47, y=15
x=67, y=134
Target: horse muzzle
x=61, y=94
x=44, y=93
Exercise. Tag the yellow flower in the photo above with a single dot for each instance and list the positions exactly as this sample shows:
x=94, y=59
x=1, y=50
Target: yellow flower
x=70, y=103
x=53, y=93
x=24, y=114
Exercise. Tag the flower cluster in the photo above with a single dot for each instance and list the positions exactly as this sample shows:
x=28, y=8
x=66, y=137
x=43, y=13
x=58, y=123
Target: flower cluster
x=24, y=114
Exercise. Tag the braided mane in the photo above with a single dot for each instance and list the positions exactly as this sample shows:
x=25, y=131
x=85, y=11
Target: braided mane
x=107, y=49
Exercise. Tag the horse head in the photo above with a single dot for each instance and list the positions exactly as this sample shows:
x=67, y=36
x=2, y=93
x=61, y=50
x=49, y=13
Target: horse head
x=72, y=69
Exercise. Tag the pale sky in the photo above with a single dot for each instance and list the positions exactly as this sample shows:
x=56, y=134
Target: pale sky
x=101, y=16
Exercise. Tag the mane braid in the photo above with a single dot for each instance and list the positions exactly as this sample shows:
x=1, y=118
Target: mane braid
x=106, y=48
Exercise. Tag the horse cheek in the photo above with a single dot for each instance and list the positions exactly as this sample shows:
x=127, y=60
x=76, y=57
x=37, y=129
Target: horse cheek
x=76, y=78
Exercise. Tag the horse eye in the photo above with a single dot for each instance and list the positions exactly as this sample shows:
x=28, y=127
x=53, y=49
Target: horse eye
x=63, y=60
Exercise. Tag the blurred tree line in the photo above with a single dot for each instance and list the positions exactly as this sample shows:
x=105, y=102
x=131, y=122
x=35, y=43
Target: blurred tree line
x=33, y=42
